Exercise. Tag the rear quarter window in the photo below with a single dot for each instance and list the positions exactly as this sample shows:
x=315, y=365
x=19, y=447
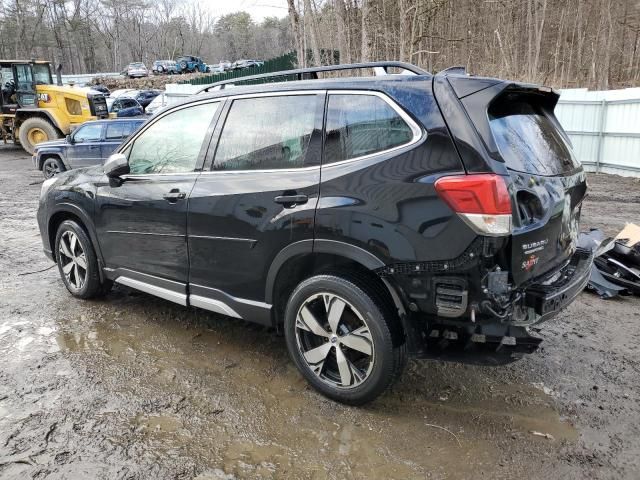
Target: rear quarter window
x=359, y=125
x=529, y=139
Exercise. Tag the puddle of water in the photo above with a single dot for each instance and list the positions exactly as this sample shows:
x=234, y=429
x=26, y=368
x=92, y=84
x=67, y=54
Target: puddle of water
x=158, y=423
x=254, y=415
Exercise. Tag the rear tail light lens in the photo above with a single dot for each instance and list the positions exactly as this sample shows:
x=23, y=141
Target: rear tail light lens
x=482, y=201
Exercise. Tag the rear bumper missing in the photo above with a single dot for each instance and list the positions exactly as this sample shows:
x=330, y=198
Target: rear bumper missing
x=548, y=297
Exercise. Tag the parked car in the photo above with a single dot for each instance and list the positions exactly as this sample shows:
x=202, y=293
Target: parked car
x=89, y=144
x=143, y=97
x=190, y=64
x=101, y=88
x=156, y=104
x=165, y=67
x=124, y=107
x=242, y=64
x=137, y=69
x=369, y=220
x=216, y=68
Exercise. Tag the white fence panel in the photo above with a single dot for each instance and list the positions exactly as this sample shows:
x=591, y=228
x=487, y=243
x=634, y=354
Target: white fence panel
x=604, y=128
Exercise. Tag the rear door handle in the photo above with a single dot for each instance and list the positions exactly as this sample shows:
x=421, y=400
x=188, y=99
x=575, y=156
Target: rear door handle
x=174, y=195
x=93, y=147
x=291, y=200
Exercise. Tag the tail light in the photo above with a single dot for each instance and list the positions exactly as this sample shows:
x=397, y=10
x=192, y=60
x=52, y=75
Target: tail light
x=481, y=200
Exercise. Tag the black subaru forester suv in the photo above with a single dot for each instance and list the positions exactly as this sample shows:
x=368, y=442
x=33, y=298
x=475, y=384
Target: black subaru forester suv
x=368, y=218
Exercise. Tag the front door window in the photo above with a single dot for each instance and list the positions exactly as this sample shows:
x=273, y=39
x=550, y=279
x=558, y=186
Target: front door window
x=172, y=144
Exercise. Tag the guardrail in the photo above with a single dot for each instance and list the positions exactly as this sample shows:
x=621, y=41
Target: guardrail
x=86, y=77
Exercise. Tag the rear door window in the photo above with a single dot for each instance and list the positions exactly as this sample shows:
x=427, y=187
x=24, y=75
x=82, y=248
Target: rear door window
x=359, y=125
x=267, y=133
x=529, y=140
x=115, y=131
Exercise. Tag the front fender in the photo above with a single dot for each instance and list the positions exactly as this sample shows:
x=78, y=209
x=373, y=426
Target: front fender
x=46, y=152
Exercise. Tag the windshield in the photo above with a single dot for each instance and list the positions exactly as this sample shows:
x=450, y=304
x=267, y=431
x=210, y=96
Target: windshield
x=42, y=74
x=529, y=140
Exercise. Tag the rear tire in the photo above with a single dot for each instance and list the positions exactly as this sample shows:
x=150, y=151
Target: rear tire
x=36, y=130
x=339, y=335
x=77, y=262
x=52, y=166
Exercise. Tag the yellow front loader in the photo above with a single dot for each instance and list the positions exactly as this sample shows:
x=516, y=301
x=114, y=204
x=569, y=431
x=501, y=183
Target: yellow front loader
x=35, y=110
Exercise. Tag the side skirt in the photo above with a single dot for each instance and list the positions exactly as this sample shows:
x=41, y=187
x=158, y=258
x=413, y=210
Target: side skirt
x=199, y=296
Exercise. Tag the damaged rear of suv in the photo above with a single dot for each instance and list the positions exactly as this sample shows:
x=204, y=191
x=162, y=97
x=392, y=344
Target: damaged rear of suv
x=521, y=195
x=368, y=218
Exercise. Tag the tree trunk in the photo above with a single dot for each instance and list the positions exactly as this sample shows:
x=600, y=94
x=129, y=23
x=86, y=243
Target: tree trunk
x=368, y=37
x=297, y=33
x=310, y=22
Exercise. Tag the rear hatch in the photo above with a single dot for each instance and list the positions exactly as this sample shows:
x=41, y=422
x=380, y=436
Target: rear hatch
x=524, y=142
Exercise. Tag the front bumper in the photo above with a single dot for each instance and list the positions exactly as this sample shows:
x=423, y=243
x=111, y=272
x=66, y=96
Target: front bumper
x=547, y=298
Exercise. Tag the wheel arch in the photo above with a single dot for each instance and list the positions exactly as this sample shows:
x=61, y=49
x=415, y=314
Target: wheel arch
x=68, y=211
x=42, y=156
x=306, y=258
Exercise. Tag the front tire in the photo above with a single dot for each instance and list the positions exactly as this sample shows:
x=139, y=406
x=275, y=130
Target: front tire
x=36, y=130
x=339, y=335
x=77, y=262
x=51, y=167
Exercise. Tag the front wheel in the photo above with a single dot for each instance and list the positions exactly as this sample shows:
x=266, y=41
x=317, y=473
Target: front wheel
x=338, y=334
x=51, y=167
x=36, y=130
x=77, y=262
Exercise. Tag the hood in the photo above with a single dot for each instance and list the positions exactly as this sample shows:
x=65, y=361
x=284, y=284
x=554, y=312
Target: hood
x=52, y=143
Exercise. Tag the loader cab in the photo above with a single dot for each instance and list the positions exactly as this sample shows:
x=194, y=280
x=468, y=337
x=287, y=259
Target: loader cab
x=19, y=80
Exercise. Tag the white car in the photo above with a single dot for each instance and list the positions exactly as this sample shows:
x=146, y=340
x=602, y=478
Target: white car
x=137, y=69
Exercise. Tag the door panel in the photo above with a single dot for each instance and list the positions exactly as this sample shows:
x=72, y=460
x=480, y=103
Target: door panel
x=25, y=86
x=269, y=147
x=142, y=218
x=236, y=228
x=140, y=229
x=86, y=150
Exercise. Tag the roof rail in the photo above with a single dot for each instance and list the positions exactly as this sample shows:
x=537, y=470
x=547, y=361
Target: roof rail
x=312, y=72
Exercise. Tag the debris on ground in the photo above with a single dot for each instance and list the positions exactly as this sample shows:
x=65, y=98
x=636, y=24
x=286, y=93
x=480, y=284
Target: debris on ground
x=616, y=267
x=548, y=436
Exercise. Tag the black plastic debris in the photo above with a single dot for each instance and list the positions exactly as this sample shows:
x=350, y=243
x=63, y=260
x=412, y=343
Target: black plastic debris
x=616, y=267
x=602, y=286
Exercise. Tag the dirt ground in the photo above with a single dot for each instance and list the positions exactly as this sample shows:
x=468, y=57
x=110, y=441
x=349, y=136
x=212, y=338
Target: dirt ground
x=133, y=387
x=152, y=81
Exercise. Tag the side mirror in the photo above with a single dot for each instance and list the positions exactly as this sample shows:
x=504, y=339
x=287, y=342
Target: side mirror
x=116, y=166
x=70, y=139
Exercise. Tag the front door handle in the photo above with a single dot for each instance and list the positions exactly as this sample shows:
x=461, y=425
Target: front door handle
x=291, y=200
x=174, y=195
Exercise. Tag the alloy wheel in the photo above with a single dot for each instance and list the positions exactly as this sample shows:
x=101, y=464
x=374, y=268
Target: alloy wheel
x=51, y=169
x=334, y=340
x=73, y=260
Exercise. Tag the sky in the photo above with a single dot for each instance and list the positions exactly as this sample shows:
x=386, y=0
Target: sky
x=259, y=9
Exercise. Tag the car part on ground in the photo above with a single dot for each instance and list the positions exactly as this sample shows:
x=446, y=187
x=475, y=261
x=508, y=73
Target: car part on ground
x=616, y=269
x=369, y=218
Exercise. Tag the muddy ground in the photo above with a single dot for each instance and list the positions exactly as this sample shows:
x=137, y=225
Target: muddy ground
x=134, y=387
